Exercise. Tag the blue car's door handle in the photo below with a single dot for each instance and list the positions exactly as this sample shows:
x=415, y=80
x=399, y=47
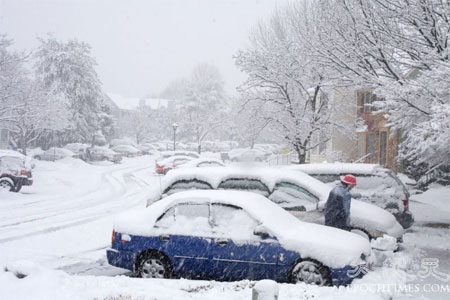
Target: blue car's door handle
x=164, y=238
x=221, y=242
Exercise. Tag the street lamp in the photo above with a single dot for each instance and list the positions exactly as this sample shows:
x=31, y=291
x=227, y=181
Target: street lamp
x=174, y=126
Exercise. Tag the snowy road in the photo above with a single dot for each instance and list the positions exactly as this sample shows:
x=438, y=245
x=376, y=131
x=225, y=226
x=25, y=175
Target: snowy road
x=66, y=216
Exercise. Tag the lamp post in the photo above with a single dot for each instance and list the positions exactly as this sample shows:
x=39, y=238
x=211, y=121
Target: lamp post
x=174, y=126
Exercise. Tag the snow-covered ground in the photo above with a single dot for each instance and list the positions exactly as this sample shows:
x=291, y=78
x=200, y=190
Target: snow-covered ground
x=57, y=231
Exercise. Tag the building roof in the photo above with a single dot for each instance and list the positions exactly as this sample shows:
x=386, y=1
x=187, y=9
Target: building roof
x=133, y=103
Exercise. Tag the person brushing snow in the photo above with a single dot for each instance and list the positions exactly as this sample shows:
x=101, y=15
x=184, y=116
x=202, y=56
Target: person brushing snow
x=337, y=208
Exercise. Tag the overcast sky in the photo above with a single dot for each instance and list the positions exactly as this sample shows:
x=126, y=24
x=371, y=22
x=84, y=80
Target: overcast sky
x=141, y=45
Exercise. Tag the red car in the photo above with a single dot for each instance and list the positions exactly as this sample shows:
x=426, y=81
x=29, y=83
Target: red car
x=165, y=165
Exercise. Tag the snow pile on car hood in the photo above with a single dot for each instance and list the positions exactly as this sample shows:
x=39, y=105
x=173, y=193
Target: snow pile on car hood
x=366, y=215
x=335, y=248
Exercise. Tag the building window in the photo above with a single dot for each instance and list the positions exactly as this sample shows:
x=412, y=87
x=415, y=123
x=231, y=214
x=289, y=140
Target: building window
x=370, y=145
x=360, y=142
x=383, y=146
x=365, y=100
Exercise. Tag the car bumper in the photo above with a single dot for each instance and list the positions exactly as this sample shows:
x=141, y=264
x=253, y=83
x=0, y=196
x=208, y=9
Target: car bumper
x=345, y=276
x=121, y=259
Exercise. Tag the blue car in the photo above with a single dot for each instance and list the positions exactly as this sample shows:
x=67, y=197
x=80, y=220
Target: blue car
x=233, y=235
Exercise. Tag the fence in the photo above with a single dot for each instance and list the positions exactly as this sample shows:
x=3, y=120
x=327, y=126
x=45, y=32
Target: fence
x=281, y=159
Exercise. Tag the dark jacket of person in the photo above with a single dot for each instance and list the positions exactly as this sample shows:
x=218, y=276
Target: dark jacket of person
x=337, y=208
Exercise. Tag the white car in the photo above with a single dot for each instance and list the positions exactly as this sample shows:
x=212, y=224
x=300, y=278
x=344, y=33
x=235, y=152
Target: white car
x=127, y=150
x=233, y=235
x=375, y=184
x=202, y=163
x=148, y=148
x=172, y=162
x=297, y=192
x=76, y=147
x=55, y=153
x=167, y=154
x=247, y=155
x=102, y=153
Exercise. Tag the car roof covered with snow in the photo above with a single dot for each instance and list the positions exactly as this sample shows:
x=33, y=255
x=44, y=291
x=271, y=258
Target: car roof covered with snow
x=204, y=160
x=333, y=247
x=64, y=151
x=337, y=168
x=125, y=148
x=170, y=160
x=268, y=176
x=166, y=154
x=11, y=153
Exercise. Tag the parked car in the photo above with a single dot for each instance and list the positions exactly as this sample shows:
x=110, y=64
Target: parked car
x=297, y=192
x=55, y=153
x=102, y=153
x=375, y=184
x=148, y=148
x=15, y=171
x=76, y=147
x=247, y=155
x=172, y=162
x=233, y=235
x=167, y=154
x=202, y=163
x=118, y=142
x=127, y=150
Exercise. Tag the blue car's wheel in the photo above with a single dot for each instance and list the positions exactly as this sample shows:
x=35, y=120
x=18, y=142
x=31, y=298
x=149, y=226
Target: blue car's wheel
x=153, y=265
x=311, y=272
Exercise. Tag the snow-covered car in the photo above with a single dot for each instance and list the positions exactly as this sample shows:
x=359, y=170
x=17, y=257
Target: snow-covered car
x=375, y=184
x=233, y=235
x=15, y=171
x=76, y=147
x=55, y=153
x=247, y=155
x=172, y=162
x=127, y=150
x=167, y=154
x=118, y=142
x=297, y=192
x=202, y=163
x=102, y=153
x=148, y=148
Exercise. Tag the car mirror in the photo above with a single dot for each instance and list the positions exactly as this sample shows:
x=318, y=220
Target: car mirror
x=262, y=232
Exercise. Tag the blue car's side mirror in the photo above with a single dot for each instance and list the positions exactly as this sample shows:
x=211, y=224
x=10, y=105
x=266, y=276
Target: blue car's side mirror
x=262, y=232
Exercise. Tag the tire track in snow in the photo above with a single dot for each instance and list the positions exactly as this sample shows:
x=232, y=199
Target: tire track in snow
x=124, y=190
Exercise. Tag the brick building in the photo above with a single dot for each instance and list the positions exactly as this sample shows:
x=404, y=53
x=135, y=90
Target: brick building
x=375, y=141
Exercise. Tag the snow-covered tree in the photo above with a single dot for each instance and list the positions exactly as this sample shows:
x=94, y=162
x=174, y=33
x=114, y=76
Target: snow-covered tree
x=68, y=69
x=36, y=113
x=286, y=81
x=204, y=105
x=12, y=76
x=400, y=48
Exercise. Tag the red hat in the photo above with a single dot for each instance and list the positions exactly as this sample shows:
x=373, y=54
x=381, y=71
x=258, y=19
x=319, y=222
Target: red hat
x=349, y=179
